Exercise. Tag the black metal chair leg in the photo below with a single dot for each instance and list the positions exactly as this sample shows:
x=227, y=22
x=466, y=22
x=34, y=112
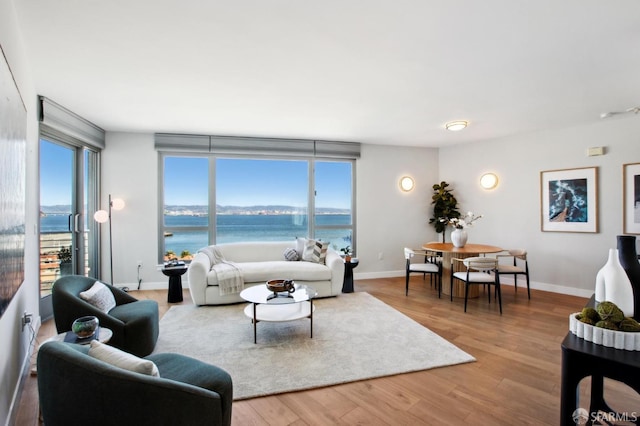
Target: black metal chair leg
x=451, y=286
x=406, y=291
x=466, y=294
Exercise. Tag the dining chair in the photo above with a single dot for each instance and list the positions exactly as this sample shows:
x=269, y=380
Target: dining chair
x=476, y=271
x=430, y=266
x=517, y=265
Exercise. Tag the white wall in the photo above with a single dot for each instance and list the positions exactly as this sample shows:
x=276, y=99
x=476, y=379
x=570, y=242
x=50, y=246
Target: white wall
x=130, y=172
x=559, y=261
x=14, y=355
x=388, y=219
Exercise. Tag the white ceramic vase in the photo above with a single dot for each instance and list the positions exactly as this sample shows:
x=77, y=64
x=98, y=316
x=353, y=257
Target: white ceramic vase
x=459, y=237
x=613, y=285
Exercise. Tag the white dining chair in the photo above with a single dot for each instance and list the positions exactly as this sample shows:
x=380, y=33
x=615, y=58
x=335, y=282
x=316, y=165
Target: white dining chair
x=477, y=271
x=430, y=265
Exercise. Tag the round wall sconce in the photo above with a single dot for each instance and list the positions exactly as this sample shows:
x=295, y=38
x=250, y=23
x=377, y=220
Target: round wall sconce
x=489, y=180
x=407, y=183
x=456, y=126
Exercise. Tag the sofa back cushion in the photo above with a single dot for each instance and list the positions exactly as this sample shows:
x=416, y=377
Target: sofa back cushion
x=263, y=251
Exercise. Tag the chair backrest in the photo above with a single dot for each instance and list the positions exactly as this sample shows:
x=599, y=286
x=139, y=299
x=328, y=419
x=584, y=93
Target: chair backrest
x=481, y=263
x=520, y=253
x=408, y=253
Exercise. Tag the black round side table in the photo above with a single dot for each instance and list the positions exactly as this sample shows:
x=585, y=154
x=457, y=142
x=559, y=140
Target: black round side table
x=175, y=282
x=347, y=284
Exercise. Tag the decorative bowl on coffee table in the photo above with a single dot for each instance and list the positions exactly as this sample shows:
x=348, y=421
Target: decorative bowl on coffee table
x=279, y=286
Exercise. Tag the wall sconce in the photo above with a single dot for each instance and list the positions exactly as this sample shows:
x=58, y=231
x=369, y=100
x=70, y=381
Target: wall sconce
x=407, y=183
x=488, y=181
x=102, y=216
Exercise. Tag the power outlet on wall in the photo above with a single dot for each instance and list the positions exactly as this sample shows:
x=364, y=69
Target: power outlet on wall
x=26, y=319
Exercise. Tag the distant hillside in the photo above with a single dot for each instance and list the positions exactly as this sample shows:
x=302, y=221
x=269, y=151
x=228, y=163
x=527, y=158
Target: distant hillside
x=193, y=210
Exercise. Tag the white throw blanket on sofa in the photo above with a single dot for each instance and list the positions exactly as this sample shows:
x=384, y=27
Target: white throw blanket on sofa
x=230, y=279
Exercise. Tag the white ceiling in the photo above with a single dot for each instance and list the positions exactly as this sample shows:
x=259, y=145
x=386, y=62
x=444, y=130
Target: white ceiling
x=371, y=71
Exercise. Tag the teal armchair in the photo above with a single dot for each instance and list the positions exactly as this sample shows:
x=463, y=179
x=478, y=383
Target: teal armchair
x=75, y=388
x=135, y=323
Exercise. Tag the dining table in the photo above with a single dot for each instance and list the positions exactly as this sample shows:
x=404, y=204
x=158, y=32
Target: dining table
x=449, y=251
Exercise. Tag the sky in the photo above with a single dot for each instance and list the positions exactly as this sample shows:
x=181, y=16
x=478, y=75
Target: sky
x=248, y=182
x=56, y=165
x=239, y=182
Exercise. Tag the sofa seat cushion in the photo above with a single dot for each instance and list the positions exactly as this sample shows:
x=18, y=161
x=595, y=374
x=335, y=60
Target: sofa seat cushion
x=279, y=269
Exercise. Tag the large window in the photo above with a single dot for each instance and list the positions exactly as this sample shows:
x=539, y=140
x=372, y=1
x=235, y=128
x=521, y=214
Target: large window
x=213, y=200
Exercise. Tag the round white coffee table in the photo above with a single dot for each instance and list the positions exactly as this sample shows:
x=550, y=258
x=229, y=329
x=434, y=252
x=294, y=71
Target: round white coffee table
x=278, y=307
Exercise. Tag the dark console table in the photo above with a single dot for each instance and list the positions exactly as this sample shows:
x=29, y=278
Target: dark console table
x=581, y=359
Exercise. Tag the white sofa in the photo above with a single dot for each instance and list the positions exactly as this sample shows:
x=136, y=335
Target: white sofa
x=260, y=262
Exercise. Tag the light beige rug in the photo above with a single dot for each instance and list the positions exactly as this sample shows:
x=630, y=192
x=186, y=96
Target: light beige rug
x=355, y=337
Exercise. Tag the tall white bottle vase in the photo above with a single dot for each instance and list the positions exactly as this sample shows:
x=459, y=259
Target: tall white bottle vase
x=617, y=287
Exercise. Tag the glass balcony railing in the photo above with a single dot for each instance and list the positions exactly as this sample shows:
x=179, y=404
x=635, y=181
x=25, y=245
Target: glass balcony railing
x=53, y=264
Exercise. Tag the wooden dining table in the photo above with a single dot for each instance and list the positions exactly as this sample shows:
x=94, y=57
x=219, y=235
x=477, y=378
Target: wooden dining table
x=449, y=251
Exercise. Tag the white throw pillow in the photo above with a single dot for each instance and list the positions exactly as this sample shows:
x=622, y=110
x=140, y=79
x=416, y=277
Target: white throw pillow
x=291, y=254
x=99, y=296
x=300, y=244
x=315, y=251
x=121, y=359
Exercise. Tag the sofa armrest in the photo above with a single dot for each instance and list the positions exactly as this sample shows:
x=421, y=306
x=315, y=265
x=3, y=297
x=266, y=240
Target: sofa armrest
x=336, y=264
x=197, y=276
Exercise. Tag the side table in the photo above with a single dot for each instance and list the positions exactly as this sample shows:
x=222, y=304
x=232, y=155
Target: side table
x=104, y=335
x=347, y=283
x=175, y=274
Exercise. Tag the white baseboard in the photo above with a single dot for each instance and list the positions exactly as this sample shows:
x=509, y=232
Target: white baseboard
x=553, y=288
x=148, y=285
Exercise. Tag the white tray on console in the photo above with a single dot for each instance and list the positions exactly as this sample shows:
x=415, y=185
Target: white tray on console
x=601, y=336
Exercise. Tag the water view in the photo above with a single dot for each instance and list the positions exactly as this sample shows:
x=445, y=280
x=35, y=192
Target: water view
x=234, y=228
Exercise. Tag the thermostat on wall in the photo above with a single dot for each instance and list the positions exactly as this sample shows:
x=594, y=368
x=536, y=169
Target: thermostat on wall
x=594, y=151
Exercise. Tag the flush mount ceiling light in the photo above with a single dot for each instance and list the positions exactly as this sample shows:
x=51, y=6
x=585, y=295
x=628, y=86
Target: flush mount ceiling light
x=489, y=180
x=406, y=183
x=456, y=126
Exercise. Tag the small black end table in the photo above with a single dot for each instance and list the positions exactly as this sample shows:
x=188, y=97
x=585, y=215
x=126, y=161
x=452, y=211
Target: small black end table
x=347, y=283
x=175, y=282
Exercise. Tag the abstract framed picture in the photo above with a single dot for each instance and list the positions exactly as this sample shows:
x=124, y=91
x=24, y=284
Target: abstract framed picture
x=13, y=130
x=631, y=198
x=569, y=200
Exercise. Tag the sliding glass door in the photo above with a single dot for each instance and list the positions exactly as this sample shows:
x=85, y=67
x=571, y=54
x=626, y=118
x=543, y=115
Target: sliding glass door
x=68, y=239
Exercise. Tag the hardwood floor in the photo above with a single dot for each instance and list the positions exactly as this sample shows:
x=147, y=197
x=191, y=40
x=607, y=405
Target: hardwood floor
x=516, y=379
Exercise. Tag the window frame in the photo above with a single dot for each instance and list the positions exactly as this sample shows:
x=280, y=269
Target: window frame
x=212, y=199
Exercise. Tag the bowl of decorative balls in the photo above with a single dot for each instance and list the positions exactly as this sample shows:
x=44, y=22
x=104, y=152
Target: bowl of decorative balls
x=606, y=325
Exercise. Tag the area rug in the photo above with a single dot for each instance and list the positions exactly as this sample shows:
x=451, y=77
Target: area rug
x=355, y=337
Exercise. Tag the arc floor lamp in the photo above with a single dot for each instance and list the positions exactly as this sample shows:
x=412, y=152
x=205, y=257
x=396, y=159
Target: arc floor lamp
x=102, y=216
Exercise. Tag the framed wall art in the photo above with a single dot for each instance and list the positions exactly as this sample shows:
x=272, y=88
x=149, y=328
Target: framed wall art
x=13, y=130
x=569, y=200
x=631, y=198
